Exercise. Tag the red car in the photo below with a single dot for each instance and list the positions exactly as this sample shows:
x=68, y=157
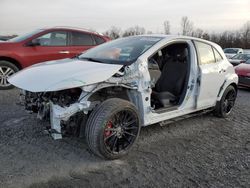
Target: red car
x=243, y=71
x=43, y=45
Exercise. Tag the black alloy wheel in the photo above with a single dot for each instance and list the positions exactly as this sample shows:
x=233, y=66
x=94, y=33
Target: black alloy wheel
x=112, y=128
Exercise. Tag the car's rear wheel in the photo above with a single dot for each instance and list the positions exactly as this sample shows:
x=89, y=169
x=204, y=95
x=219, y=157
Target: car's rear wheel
x=6, y=70
x=225, y=105
x=112, y=128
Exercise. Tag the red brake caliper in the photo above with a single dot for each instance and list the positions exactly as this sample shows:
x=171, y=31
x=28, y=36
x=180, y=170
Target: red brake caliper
x=108, y=126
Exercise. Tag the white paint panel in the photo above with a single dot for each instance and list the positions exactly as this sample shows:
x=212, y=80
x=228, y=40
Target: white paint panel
x=62, y=74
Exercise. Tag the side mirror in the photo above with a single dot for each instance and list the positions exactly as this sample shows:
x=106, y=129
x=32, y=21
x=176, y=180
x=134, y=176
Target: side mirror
x=34, y=42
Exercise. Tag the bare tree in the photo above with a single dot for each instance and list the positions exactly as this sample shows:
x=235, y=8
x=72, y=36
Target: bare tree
x=113, y=32
x=166, y=27
x=238, y=38
x=198, y=33
x=186, y=26
x=136, y=30
x=246, y=35
x=205, y=36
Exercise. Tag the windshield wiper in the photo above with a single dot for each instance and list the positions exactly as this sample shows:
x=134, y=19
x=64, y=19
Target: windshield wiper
x=90, y=59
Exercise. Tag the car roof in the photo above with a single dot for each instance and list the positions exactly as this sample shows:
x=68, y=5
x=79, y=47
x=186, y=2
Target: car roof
x=73, y=28
x=174, y=37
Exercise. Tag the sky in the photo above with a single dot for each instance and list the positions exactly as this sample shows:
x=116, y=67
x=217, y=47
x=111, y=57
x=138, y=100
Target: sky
x=22, y=16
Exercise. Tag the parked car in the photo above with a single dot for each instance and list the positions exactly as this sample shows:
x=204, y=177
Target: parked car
x=112, y=90
x=243, y=71
x=5, y=38
x=246, y=51
x=239, y=58
x=43, y=45
x=230, y=52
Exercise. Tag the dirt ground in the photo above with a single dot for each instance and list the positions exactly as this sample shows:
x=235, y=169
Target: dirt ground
x=202, y=151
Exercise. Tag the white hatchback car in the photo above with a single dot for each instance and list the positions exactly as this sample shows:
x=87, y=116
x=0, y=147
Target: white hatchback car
x=231, y=52
x=110, y=91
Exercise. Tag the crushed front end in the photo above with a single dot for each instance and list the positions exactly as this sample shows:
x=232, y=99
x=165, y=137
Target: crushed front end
x=61, y=108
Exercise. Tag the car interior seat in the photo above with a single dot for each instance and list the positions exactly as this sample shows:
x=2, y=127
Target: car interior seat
x=154, y=67
x=169, y=86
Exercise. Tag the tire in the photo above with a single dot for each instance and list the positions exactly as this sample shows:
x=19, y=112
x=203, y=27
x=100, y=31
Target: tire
x=224, y=107
x=112, y=128
x=6, y=70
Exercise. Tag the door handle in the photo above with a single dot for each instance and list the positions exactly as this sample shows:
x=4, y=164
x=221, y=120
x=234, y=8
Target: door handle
x=64, y=52
x=222, y=70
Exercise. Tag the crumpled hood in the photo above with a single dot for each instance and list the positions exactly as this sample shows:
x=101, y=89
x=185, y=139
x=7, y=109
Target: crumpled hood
x=62, y=74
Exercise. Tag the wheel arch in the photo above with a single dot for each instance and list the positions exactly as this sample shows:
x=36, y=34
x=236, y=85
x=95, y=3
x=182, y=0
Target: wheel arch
x=129, y=94
x=224, y=87
x=12, y=60
x=107, y=92
x=235, y=87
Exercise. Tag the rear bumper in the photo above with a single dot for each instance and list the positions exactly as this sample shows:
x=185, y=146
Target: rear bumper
x=244, y=81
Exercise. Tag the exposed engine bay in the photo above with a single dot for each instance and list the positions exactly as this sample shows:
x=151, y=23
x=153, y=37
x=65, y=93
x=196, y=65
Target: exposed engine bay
x=72, y=122
x=35, y=102
x=40, y=103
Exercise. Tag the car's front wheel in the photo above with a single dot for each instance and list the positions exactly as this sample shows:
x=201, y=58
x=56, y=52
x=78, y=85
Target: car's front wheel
x=112, y=128
x=225, y=105
x=6, y=70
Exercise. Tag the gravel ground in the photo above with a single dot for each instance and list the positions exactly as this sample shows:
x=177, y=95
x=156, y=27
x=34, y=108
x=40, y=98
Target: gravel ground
x=202, y=151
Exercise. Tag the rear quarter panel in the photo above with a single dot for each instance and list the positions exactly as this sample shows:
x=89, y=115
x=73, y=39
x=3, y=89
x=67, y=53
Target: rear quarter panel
x=230, y=78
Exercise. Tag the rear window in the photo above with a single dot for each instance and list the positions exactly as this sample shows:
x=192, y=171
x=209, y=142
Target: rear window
x=81, y=39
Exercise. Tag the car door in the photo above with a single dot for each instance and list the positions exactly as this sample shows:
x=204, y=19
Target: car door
x=80, y=42
x=211, y=74
x=51, y=46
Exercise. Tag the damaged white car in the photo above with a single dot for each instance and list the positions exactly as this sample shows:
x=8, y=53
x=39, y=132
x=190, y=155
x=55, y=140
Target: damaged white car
x=109, y=92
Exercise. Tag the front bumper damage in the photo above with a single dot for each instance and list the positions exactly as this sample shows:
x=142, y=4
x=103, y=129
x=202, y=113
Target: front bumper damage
x=59, y=114
x=65, y=115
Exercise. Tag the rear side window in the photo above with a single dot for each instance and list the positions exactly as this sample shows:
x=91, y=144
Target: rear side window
x=217, y=56
x=81, y=39
x=205, y=53
x=98, y=39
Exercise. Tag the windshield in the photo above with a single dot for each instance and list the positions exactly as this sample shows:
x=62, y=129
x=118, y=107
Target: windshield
x=121, y=51
x=248, y=61
x=241, y=56
x=25, y=36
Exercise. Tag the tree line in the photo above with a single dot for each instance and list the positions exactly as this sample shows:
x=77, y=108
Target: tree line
x=227, y=39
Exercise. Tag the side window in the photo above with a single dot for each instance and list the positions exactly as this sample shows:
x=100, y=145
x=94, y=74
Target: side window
x=98, y=39
x=205, y=53
x=56, y=38
x=81, y=39
x=217, y=56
